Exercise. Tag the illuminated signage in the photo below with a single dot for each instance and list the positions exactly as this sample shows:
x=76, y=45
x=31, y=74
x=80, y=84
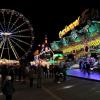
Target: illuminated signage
x=69, y=49
x=70, y=27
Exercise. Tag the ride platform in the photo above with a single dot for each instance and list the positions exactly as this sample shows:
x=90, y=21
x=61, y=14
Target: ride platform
x=79, y=74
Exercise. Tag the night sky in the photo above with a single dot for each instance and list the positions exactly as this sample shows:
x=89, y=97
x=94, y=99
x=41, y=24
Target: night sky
x=49, y=17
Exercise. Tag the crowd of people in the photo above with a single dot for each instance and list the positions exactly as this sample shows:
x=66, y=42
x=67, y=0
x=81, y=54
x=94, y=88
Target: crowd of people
x=27, y=74
x=87, y=64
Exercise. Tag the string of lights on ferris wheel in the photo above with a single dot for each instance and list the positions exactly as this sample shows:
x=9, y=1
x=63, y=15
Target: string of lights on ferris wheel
x=15, y=30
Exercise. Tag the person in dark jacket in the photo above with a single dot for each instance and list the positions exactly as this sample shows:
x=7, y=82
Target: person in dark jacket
x=30, y=75
x=4, y=73
x=87, y=68
x=8, y=88
x=39, y=75
x=64, y=70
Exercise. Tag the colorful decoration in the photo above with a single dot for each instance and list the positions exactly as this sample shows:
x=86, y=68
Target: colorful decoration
x=69, y=27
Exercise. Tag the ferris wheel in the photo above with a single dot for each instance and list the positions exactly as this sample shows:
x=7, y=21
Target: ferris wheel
x=16, y=34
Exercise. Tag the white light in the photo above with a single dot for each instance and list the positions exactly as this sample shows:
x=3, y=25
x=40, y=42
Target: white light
x=67, y=87
x=6, y=33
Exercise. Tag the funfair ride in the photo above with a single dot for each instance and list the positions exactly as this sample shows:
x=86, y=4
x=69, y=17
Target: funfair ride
x=81, y=36
x=16, y=36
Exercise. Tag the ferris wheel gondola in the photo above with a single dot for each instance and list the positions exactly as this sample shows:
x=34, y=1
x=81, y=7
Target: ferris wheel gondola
x=16, y=34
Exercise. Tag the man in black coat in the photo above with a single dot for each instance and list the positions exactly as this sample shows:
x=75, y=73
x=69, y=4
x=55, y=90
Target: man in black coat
x=39, y=75
x=8, y=88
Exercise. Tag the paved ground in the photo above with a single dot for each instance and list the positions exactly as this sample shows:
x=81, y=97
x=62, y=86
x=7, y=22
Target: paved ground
x=72, y=89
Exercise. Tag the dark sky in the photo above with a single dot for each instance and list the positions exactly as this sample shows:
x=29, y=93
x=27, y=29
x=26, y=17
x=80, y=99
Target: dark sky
x=49, y=16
